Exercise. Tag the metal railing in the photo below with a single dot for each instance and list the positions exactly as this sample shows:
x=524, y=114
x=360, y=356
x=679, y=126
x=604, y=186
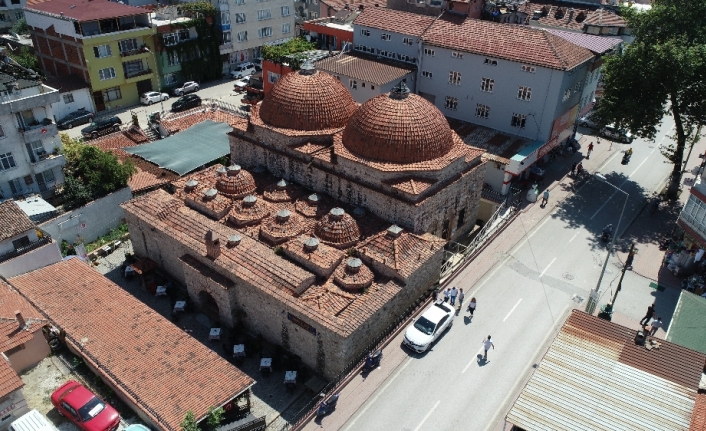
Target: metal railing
x=303, y=415
x=457, y=254
x=45, y=239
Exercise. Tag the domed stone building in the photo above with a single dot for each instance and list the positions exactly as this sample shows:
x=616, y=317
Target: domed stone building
x=327, y=226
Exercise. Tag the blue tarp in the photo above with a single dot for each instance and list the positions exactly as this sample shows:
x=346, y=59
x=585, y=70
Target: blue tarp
x=182, y=153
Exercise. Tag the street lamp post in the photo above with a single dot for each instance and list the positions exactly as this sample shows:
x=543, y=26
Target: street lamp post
x=593, y=295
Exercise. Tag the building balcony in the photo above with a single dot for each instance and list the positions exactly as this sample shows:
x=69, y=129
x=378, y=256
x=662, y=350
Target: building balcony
x=135, y=52
x=226, y=48
x=20, y=101
x=34, y=133
x=138, y=75
x=48, y=161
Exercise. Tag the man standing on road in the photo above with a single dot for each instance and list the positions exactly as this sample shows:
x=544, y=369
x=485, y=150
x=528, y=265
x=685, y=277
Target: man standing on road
x=447, y=295
x=487, y=344
x=649, y=315
x=461, y=295
x=545, y=198
x=590, y=149
x=454, y=293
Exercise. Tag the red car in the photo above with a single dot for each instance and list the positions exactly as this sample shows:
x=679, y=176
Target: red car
x=82, y=407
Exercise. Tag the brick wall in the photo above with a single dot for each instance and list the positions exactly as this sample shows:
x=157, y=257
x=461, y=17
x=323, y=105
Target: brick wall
x=59, y=55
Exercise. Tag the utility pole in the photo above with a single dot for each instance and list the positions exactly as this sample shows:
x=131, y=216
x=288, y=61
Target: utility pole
x=607, y=311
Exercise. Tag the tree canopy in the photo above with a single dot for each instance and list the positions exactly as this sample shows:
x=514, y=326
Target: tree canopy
x=91, y=172
x=663, y=71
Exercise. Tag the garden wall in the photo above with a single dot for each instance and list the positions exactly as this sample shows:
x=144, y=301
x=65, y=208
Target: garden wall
x=90, y=221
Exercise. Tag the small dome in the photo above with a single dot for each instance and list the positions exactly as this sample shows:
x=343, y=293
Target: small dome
x=282, y=227
x=352, y=275
x=313, y=206
x=234, y=181
x=398, y=127
x=283, y=191
x=337, y=229
x=307, y=100
x=248, y=211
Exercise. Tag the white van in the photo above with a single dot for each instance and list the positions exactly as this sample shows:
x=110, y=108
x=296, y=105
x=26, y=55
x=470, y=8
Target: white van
x=32, y=421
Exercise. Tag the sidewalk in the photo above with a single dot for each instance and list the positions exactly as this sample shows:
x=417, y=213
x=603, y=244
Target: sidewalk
x=359, y=390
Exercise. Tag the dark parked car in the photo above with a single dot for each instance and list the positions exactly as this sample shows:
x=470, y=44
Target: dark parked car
x=101, y=127
x=186, y=102
x=75, y=118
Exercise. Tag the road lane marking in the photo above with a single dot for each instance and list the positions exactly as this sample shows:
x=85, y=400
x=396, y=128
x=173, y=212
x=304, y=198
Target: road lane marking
x=545, y=270
x=573, y=237
x=379, y=393
x=427, y=416
x=513, y=309
x=469, y=363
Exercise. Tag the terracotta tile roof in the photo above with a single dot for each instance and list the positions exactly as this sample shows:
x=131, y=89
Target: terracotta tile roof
x=410, y=185
x=698, y=417
x=318, y=258
x=557, y=14
x=394, y=21
x=596, y=44
x=315, y=205
x=605, y=18
x=10, y=333
x=281, y=226
x=337, y=229
x=518, y=43
x=593, y=366
x=85, y=10
x=281, y=191
x=365, y=67
x=307, y=100
x=403, y=253
x=353, y=275
x=249, y=210
x=234, y=181
x=165, y=371
x=9, y=380
x=256, y=120
x=339, y=5
x=499, y=146
x=14, y=220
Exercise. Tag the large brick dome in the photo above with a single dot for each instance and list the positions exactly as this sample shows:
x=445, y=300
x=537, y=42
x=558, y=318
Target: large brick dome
x=398, y=127
x=307, y=100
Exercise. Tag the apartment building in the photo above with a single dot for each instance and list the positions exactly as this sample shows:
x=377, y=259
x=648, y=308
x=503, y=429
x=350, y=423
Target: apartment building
x=29, y=142
x=170, y=32
x=10, y=13
x=247, y=25
x=107, y=44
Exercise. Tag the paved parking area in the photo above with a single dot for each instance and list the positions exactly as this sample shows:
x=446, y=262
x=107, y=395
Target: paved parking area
x=269, y=395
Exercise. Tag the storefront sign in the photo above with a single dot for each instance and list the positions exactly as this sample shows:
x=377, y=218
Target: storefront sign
x=299, y=322
x=7, y=410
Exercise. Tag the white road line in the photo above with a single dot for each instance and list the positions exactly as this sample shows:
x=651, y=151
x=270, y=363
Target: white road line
x=513, y=309
x=573, y=237
x=545, y=269
x=427, y=416
x=371, y=402
x=469, y=364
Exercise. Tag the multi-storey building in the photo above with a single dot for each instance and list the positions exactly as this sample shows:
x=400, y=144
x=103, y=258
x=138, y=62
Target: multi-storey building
x=171, y=31
x=247, y=25
x=29, y=143
x=107, y=44
x=10, y=13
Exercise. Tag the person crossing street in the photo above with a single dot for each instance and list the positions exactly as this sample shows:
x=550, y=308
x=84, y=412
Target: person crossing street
x=590, y=149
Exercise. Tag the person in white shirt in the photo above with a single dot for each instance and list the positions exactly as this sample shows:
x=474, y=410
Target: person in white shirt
x=487, y=344
x=454, y=294
x=472, y=306
x=461, y=295
x=656, y=324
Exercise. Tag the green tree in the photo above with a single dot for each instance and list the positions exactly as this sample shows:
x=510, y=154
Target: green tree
x=662, y=72
x=189, y=422
x=25, y=58
x=280, y=53
x=215, y=417
x=20, y=27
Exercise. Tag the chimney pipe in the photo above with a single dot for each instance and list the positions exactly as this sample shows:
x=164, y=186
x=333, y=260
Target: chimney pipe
x=213, y=245
x=20, y=319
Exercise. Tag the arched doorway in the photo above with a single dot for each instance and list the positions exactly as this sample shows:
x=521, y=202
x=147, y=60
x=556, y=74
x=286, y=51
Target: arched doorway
x=209, y=306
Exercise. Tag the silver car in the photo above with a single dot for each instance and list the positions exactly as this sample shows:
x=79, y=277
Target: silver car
x=587, y=121
x=188, y=87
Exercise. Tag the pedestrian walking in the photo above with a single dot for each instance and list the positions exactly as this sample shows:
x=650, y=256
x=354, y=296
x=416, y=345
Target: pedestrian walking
x=545, y=198
x=472, y=306
x=590, y=148
x=573, y=168
x=579, y=170
x=435, y=295
x=461, y=295
x=655, y=326
x=648, y=315
x=487, y=344
x=453, y=294
x=447, y=295
x=628, y=261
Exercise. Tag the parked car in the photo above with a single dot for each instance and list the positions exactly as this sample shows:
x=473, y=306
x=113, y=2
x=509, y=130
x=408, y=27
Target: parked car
x=186, y=102
x=82, y=407
x=76, y=118
x=258, y=64
x=612, y=132
x=240, y=85
x=102, y=127
x=429, y=326
x=587, y=121
x=153, y=97
x=242, y=70
x=188, y=87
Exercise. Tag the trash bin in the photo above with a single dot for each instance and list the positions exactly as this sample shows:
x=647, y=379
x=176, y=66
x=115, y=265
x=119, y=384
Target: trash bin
x=533, y=193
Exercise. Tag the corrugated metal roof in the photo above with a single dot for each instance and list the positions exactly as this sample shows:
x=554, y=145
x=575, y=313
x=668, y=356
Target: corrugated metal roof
x=594, y=377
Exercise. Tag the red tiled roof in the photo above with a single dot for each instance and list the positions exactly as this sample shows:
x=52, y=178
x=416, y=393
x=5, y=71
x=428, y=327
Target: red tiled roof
x=165, y=371
x=9, y=380
x=85, y=10
x=404, y=253
x=518, y=43
x=365, y=67
x=10, y=333
x=338, y=5
x=698, y=417
x=394, y=21
x=14, y=221
x=605, y=18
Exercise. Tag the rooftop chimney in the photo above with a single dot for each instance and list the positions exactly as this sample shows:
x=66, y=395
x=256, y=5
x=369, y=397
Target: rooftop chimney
x=213, y=245
x=20, y=319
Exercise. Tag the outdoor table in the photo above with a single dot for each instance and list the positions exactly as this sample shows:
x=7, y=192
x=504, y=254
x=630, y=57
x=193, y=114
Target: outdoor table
x=290, y=377
x=215, y=334
x=161, y=291
x=179, y=306
x=239, y=351
x=266, y=364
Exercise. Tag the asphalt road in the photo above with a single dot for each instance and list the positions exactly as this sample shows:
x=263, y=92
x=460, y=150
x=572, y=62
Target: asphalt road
x=220, y=89
x=522, y=302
